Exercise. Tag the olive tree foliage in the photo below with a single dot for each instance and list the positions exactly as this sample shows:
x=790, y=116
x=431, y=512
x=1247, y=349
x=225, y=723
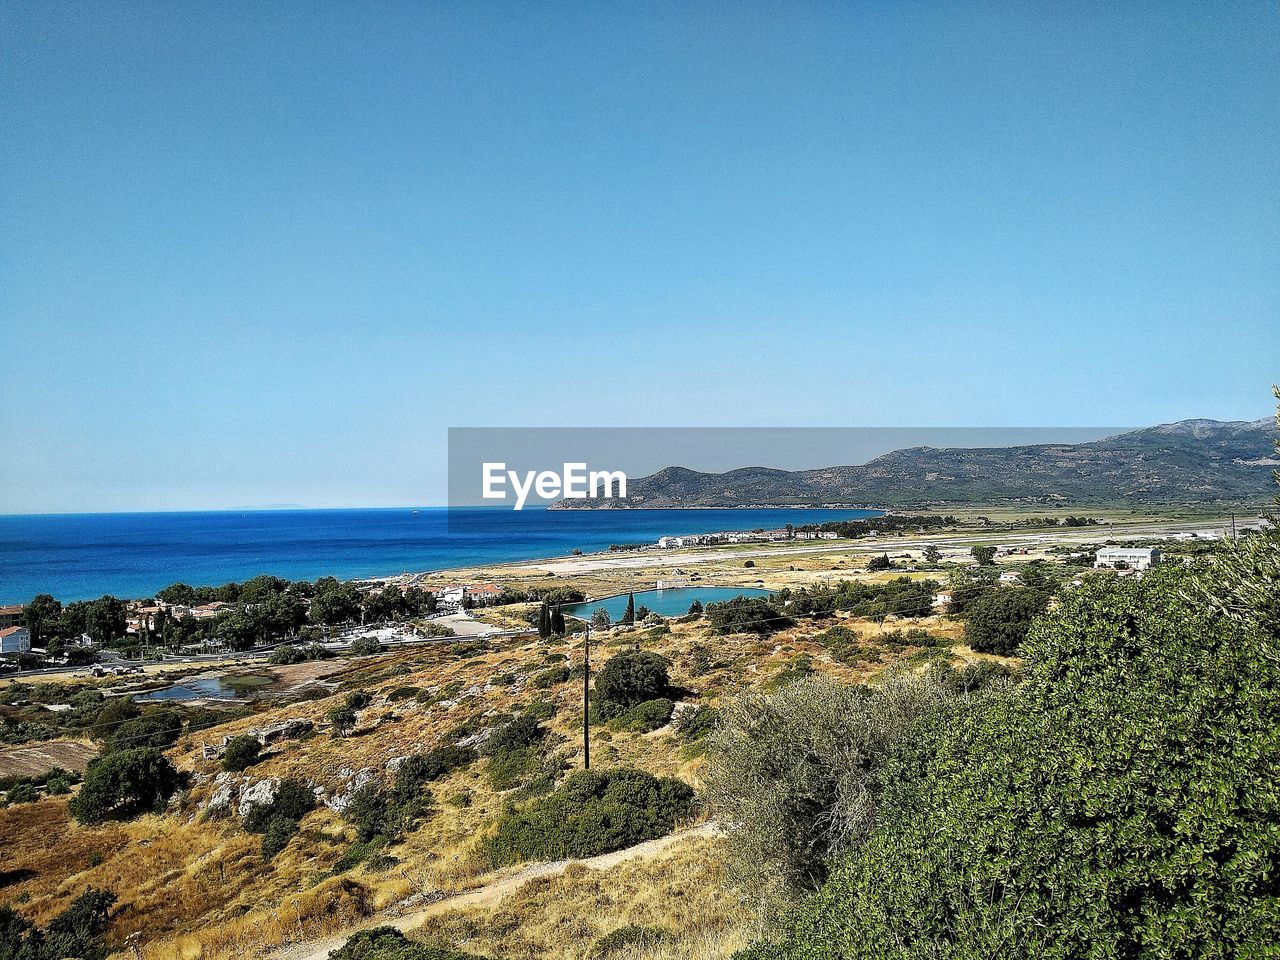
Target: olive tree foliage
x=1121, y=802
x=1242, y=579
x=792, y=774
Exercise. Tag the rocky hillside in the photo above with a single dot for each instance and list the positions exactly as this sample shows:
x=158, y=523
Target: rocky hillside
x=1192, y=461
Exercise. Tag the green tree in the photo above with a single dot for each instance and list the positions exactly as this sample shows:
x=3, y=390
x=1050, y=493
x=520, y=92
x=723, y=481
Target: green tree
x=631, y=677
x=366, y=646
x=882, y=562
x=695, y=608
x=794, y=774
x=124, y=784
x=629, y=615
x=76, y=932
x=544, y=620
x=985, y=556
x=932, y=555
x=1120, y=802
x=159, y=729
x=43, y=611
x=747, y=615
x=999, y=621
x=335, y=603
x=105, y=620
x=557, y=622
x=342, y=720
x=241, y=752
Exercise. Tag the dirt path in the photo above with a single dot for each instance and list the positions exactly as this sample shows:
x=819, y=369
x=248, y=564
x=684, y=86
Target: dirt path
x=490, y=893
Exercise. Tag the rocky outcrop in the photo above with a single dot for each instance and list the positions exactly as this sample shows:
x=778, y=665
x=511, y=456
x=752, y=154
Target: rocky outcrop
x=352, y=781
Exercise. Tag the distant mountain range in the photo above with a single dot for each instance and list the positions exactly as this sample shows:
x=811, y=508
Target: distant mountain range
x=1192, y=461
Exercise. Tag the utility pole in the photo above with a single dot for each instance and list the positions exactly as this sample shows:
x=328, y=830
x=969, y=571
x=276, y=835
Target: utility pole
x=586, y=687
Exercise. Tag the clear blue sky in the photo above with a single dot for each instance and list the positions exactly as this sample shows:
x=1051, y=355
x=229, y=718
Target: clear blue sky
x=259, y=252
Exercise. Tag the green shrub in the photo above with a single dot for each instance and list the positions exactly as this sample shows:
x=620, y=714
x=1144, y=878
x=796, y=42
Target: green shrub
x=422, y=768
x=388, y=943
x=592, y=812
x=342, y=719
x=293, y=801
x=276, y=836
x=632, y=677
x=124, y=784
x=693, y=724
x=747, y=615
x=159, y=729
x=21, y=793
x=539, y=710
x=645, y=717
x=366, y=810
x=549, y=678
x=76, y=932
x=1119, y=802
x=359, y=853
x=999, y=621
x=403, y=693
x=365, y=646
x=794, y=775
x=517, y=734
x=242, y=752
x=629, y=939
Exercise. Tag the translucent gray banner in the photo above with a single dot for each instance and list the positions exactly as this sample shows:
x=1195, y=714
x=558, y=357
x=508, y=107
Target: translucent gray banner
x=689, y=467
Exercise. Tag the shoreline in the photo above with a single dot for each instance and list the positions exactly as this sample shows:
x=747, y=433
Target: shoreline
x=647, y=554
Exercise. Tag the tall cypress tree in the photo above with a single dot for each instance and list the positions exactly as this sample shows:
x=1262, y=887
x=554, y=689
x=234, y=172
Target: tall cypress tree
x=630, y=616
x=544, y=620
x=557, y=622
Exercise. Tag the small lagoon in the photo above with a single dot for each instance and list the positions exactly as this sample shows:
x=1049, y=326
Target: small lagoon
x=672, y=602
x=210, y=688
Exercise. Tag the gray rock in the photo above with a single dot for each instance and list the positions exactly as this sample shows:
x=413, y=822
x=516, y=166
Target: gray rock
x=258, y=794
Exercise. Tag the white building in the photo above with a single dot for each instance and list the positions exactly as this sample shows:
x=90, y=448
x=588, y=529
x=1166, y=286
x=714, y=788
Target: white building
x=15, y=640
x=1127, y=558
x=1010, y=578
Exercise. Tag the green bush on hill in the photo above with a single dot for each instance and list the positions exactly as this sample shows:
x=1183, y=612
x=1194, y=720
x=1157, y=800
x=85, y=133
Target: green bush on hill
x=76, y=932
x=998, y=622
x=279, y=820
x=747, y=615
x=159, y=729
x=1120, y=802
x=626, y=681
x=793, y=774
x=241, y=752
x=592, y=812
x=124, y=784
x=388, y=943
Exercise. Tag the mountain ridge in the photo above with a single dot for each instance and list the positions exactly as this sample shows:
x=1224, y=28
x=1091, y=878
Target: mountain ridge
x=1188, y=461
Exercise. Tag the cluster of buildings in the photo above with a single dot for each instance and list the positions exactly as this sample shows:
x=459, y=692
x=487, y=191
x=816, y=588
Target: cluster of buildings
x=743, y=536
x=14, y=637
x=145, y=619
x=453, y=597
x=1126, y=558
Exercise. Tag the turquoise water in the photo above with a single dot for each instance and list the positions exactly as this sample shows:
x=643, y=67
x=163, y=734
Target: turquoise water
x=82, y=556
x=673, y=602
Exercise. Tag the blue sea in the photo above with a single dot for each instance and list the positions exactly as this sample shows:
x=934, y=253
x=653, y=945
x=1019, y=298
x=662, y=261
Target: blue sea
x=83, y=556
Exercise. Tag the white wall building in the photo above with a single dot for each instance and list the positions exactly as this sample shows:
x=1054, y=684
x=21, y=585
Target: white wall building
x=15, y=640
x=1127, y=558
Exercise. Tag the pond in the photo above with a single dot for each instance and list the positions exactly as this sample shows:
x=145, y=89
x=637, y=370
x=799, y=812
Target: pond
x=672, y=602
x=213, y=688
